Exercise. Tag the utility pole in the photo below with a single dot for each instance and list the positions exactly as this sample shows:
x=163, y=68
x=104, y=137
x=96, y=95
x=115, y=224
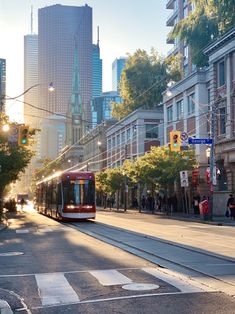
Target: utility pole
x=125, y=182
x=212, y=158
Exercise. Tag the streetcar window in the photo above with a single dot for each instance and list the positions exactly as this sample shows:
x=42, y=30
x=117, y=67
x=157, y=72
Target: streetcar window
x=79, y=192
x=59, y=198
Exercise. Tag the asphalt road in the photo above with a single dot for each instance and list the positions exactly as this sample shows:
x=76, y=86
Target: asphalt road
x=49, y=267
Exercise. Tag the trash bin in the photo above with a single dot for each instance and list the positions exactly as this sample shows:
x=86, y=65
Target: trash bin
x=204, y=210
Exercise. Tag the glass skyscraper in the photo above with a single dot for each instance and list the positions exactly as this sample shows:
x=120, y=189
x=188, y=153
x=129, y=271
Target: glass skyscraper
x=60, y=28
x=31, y=114
x=101, y=107
x=117, y=67
x=96, y=71
x=2, y=83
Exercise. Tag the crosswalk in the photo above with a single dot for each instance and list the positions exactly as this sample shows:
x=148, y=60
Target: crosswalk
x=54, y=289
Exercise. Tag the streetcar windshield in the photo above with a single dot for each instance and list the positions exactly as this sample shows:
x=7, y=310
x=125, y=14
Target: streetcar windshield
x=79, y=192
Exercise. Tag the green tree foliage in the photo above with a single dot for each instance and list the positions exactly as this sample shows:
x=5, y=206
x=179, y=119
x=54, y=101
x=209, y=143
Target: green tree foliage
x=210, y=19
x=158, y=168
x=143, y=80
x=110, y=181
x=13, y=160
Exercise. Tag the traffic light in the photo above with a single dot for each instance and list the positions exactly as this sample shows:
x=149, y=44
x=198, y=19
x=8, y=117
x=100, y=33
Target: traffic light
x=23, y=135
x=175, y=141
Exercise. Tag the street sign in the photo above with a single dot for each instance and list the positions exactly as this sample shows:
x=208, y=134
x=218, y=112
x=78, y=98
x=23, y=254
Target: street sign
x=184, y=139
x=199, y=140
x=184, y=178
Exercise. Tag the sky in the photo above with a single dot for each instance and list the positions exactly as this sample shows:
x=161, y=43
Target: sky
x=125, y=26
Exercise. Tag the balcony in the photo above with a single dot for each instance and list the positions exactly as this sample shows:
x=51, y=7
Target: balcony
x=171, y=18
x=170, y=4
x=170, y=40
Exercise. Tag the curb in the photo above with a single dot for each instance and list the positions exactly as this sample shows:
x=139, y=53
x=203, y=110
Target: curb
x=5, y=307
x=173, y=217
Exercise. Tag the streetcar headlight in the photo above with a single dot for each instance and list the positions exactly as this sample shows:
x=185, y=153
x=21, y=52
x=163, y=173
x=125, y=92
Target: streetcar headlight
x=70, y=206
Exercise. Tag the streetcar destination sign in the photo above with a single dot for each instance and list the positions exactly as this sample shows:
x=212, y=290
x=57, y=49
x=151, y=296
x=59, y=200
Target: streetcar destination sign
x=200, y=140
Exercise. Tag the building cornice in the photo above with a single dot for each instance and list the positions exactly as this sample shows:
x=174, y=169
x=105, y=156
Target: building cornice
x=220, y=42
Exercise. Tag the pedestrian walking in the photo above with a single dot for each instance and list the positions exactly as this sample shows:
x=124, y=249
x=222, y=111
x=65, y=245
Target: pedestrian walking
x=143, y=202
x=135, y=203
x=196, y=201
x=231, y=206
x=22, y=202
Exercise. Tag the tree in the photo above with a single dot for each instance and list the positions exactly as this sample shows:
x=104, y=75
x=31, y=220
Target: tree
x=13, y=160
x=160, y=167
x=143, y=80
x=110, y=182
x=209, y=20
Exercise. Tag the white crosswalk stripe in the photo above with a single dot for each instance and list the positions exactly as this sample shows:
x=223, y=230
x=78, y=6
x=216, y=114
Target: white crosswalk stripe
x=110, y=277
x=55, y=289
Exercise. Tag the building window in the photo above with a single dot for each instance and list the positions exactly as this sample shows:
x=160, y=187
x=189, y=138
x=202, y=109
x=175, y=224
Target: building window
x=123, y=137
x=221, y=74
x=185, y=11
x=191, y=104
x=151, y=130
x=134, y=131
x=118, y=139
x=169, y=111
x=109, y=144
x=179, y=109
x=192, y=7
x=185, y=70
x=128, y=134
x=185, y=53
x=222, y=121
x=113, y=142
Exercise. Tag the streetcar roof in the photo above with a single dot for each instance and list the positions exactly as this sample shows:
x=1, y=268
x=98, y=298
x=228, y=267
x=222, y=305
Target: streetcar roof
x=68, y=174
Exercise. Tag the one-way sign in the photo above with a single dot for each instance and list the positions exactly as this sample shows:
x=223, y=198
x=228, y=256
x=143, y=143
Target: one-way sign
x=200, y=140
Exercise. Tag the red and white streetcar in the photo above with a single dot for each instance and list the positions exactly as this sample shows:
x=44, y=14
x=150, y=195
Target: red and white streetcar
x=67, y=195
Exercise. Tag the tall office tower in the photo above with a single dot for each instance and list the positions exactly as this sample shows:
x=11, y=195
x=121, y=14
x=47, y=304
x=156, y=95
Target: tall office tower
x=31, y=113
x=180, y=10
x=101, y=107
x=2, y=84
x=96, y=69
x=60, y=29
x=117, y=67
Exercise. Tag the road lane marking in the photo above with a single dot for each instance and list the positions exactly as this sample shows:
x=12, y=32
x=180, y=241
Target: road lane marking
x=11, y=253
x=22, y=231
x=55, y=289
x=139, y=296
x=181, y=282
x=110, y=277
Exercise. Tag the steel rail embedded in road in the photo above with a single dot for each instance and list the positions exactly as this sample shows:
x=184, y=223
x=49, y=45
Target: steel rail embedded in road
x=153, y=256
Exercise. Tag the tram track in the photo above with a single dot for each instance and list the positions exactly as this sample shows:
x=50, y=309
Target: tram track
x=93, y=229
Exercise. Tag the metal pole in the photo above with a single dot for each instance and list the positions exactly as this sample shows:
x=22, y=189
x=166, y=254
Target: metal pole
x=212, y=158
x=125, y=182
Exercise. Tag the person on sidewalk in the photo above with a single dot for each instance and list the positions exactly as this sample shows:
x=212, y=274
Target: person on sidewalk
x=135, y=203
x=196, y=201
x=22, y=202
x=231, y=206
x=143, y=202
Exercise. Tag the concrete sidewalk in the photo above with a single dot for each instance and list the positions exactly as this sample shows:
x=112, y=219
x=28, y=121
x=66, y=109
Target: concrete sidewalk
x=217, y=220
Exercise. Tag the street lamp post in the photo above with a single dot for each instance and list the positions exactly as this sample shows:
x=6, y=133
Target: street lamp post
x=212, y=159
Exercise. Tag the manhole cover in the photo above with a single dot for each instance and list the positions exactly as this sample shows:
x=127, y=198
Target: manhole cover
x=11, y=253
x=140, y=286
